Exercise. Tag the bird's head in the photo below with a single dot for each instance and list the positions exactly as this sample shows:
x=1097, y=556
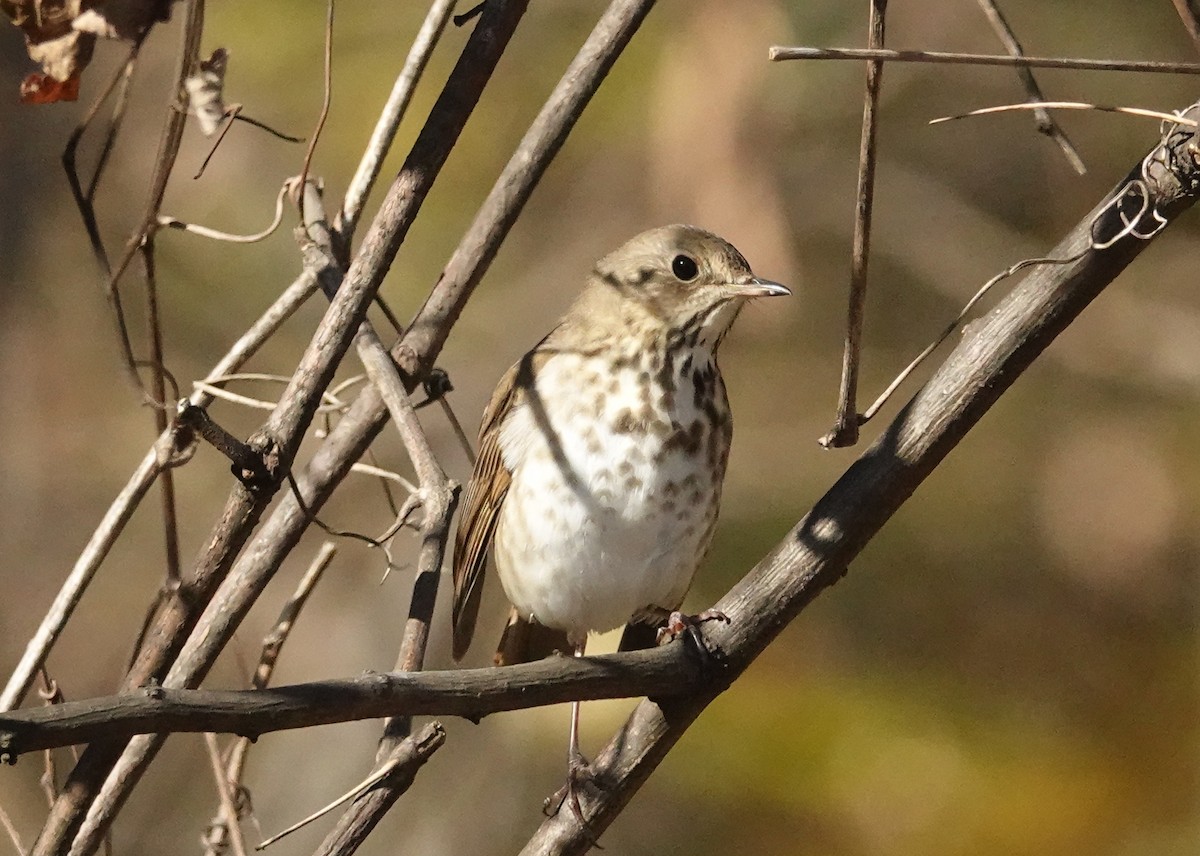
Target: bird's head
x=677, y=279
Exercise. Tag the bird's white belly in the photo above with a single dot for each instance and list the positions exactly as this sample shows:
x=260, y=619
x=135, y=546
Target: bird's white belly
x=600, y=521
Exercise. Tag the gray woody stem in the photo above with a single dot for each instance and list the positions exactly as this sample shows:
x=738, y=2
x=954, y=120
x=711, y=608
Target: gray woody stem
x=470, y=693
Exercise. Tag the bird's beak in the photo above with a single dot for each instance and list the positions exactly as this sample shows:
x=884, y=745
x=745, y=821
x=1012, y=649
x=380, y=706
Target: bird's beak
x=755, y=287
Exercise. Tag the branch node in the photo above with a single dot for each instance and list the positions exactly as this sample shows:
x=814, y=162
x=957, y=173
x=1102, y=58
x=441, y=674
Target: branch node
x=255, y=463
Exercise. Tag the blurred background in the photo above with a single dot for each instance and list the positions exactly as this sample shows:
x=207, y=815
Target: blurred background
x=1010, y=667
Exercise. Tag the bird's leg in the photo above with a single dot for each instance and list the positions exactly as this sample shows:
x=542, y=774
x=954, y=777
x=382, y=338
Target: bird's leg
x=578, y=769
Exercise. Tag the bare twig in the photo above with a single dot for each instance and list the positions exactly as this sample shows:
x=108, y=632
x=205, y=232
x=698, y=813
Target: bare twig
x=326, y=99
x=217, y=235
x=777, y=54
x=273, y=643
x=845, y=426
x=437, y=385
x=1044, y=121
x=158, y=388
x=50, y=693
x=1074, y=105
x=378, y=472
x=952, y=326
x=669, y=670
x=228, y=814
x=390, y=118
x=84, y=198
x=437, y=496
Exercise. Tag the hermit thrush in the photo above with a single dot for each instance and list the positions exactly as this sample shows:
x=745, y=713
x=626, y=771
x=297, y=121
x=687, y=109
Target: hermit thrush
x=601, y=455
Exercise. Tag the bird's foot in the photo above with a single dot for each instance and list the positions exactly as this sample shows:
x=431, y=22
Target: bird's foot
x=678, y=622
x=579, y=776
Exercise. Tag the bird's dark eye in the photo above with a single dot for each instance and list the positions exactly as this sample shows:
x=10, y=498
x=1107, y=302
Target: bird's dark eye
x=684, y=267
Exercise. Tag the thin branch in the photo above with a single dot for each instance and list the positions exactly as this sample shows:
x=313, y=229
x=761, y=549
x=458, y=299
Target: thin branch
x=815, y=554
x=83, y=198
x=847, y=421
x=390, y=118
x=217, y=235
x=778, y=54
x=228, y=813
x=1074, y=105
x=437, y=386
x=379, y=472
x=326, y=99
x=870, y=412
x=669, y=670
x=1044, y=121
x=279, y=438
x=50, y=693
x=166, y=481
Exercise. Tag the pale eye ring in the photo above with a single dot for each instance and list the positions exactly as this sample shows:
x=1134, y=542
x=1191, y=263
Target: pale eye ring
x=684, y=268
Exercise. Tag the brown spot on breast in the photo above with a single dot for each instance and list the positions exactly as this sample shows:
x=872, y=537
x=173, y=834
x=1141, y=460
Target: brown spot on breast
x=625, y=423
x=633, y=483
x=687, y=440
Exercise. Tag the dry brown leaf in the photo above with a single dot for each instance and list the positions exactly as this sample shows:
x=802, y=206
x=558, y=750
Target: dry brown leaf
x=61, y=34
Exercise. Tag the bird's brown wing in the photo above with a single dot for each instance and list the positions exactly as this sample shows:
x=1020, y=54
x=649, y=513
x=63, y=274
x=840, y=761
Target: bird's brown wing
x=480, y=511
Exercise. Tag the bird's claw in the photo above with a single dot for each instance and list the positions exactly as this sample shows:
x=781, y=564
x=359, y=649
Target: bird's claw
x=579, y=775
x=678, y=622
